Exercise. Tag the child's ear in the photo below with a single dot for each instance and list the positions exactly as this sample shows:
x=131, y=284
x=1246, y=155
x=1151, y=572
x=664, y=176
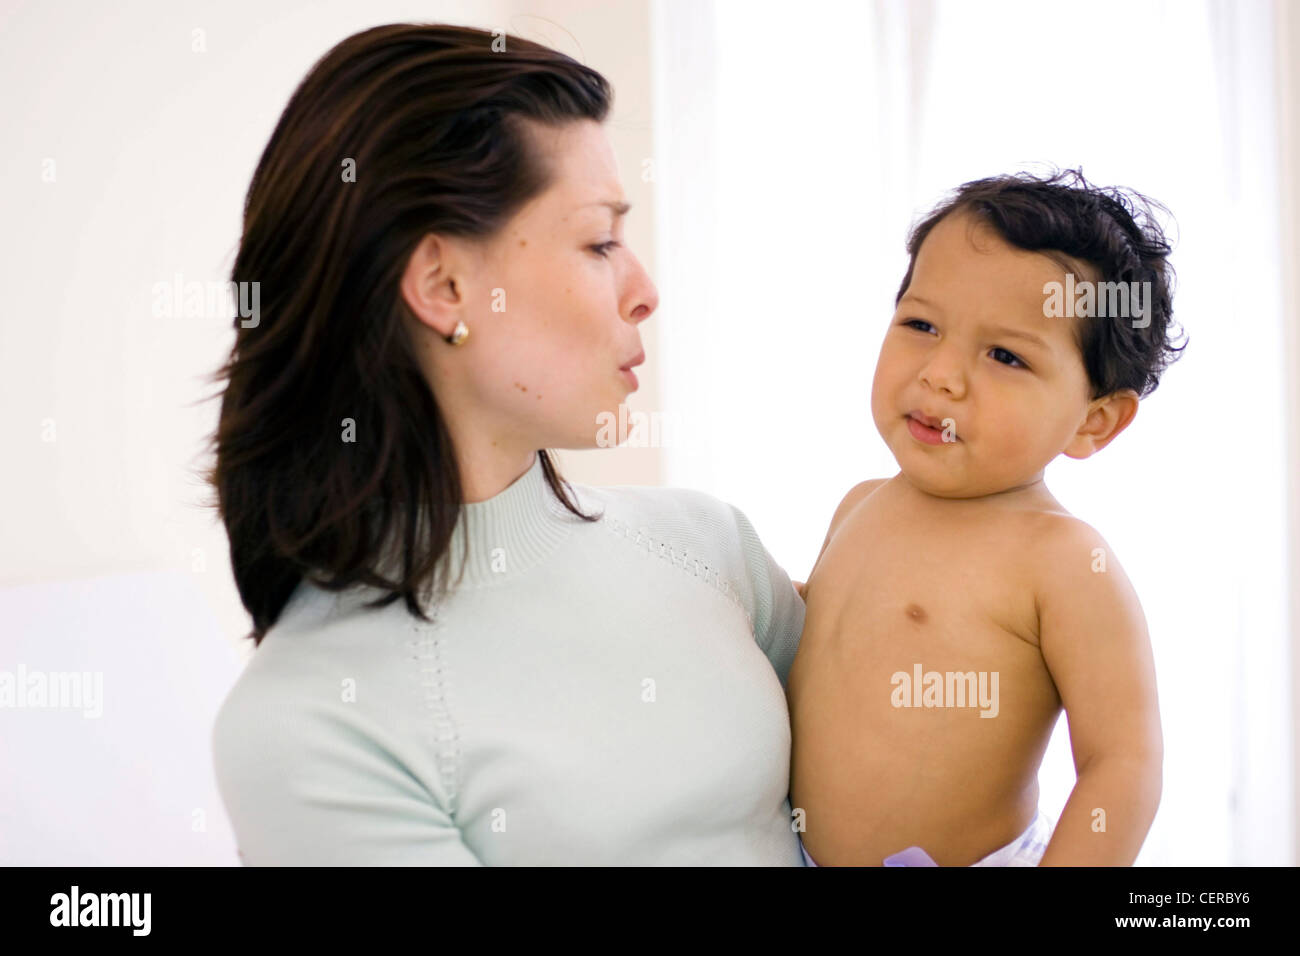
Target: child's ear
x=1106, y=418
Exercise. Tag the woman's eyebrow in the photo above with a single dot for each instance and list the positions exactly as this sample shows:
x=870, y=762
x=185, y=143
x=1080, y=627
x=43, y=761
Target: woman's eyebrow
x=619, y=208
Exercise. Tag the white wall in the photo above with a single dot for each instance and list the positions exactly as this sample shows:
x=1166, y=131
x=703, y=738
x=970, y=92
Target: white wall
x=1287, y=55
x=829, y=132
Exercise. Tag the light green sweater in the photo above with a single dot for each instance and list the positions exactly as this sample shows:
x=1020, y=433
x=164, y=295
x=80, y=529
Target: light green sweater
x=603, y=693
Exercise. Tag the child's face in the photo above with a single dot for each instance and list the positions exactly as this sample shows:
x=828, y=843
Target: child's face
x=961, y=347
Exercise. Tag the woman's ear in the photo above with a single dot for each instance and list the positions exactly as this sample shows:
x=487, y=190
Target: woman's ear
x=430, y=284
x=1106, y=418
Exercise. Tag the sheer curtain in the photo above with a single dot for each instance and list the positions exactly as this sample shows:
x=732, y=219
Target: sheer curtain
x=795, y=145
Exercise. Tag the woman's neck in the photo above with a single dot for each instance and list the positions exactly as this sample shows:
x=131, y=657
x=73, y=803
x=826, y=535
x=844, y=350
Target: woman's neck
x=486, y=472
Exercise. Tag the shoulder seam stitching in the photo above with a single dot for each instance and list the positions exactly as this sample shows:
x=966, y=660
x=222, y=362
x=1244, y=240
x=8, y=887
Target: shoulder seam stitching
x=679, y=559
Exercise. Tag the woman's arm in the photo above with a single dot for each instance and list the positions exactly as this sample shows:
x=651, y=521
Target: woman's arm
x=304, y=785
x=779, y=607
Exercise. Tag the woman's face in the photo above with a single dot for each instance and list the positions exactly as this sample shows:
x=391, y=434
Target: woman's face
x=552, y=304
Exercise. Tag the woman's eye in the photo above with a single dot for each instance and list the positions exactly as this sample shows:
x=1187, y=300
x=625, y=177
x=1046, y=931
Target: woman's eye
x=602, y=249
x=917, y=323
x=1006, y=358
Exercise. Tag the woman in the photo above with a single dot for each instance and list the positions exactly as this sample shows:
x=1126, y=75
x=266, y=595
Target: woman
x=572, y=675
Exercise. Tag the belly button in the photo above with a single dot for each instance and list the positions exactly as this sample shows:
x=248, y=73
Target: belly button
x=916, y=613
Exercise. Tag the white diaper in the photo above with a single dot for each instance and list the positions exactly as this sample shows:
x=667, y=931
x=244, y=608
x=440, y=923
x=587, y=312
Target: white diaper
x=1025, y=850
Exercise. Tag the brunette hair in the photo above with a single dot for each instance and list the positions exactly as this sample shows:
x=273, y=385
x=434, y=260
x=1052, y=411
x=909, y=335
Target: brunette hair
x=429, y=118
x=1114, y=229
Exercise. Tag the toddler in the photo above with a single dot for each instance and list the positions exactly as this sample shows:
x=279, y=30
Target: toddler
x=956, y=607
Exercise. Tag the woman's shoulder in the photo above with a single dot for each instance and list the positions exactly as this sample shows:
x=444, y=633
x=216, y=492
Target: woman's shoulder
x=295, y=671
x=655, y=502
x=668, y=513
x=697, y=531
x=714, y=541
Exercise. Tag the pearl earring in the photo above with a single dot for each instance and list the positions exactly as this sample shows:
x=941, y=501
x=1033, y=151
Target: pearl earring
x=460, y=334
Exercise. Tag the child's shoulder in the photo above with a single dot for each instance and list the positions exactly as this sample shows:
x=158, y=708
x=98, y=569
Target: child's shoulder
x=856, y=495
x=1054, y=528
x=1064, y=548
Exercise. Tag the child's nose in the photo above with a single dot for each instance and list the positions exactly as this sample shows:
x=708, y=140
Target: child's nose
x=944, y=372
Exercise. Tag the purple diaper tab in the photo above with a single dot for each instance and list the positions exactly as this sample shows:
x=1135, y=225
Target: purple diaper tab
x=912, y=856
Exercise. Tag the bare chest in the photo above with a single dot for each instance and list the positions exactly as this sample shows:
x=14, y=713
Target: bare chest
x=954, y=587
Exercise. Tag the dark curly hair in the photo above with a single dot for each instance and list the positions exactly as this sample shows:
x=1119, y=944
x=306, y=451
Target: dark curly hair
x=1113, y=229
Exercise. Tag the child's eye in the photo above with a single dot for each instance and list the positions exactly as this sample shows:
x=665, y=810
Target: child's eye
x=916, y=323
x=602, y=249
x=1010, y=358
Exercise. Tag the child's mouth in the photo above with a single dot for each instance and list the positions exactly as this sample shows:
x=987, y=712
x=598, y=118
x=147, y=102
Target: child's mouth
x=927, y=434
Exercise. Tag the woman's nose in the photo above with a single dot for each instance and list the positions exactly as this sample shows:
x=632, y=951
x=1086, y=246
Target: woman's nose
x=641, y=297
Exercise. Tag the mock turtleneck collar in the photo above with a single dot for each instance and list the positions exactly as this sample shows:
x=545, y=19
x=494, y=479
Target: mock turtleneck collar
x=510, y=532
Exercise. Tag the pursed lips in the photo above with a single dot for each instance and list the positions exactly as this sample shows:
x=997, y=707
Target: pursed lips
x=932, y=422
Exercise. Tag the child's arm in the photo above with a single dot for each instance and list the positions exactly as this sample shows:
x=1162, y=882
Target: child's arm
x=1093, y=637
